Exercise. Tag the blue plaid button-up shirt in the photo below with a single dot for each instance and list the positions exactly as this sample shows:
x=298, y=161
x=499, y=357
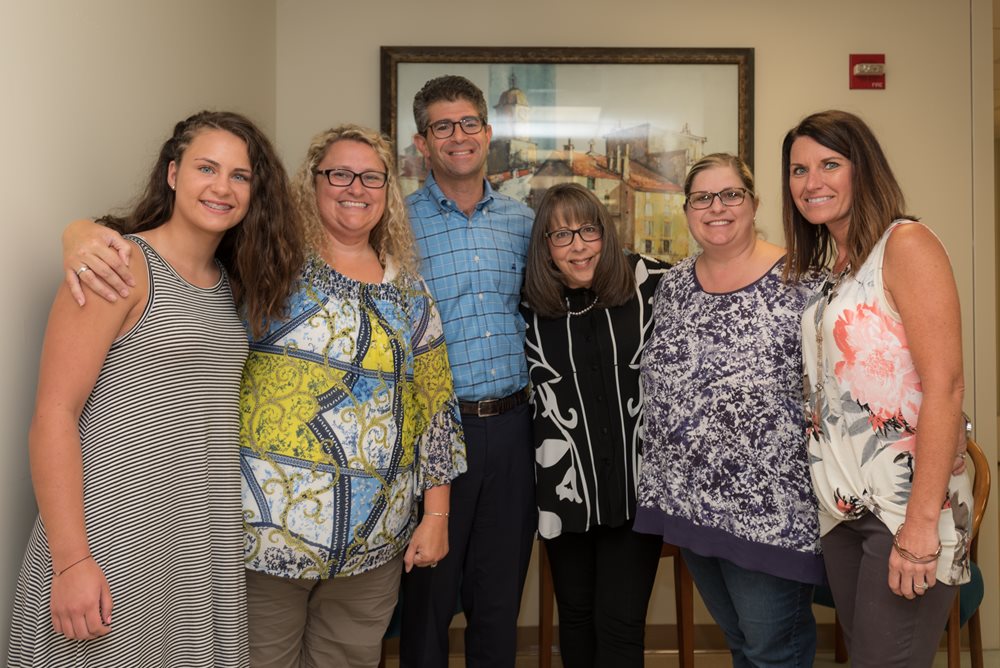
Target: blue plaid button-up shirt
x=475, y=267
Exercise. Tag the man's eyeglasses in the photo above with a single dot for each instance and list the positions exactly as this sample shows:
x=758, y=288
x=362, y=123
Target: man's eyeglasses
x=471, y=125
x=345, y=177
x=564, y=236
x=702, y=199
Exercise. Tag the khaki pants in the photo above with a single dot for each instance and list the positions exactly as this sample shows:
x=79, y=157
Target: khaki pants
x=313, y=623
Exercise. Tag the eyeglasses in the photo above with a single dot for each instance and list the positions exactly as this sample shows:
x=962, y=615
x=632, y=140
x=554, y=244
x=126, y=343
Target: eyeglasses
x=345, y=177
x=471, y=125
x=702, y=199
x=564, y=236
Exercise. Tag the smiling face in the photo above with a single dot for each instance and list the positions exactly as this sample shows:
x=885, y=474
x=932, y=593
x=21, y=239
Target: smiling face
x=211, y=182
x=350, y=213
x=820, y=183
x=720, y=226
x=459, y=157
x=577, y=261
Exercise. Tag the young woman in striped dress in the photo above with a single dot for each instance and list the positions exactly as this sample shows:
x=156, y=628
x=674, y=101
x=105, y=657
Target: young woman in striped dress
x=136, y=557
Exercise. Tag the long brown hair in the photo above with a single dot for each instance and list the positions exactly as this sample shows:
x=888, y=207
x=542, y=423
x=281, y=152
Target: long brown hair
x=263, y=255
x=876, y=198
x=614, y=282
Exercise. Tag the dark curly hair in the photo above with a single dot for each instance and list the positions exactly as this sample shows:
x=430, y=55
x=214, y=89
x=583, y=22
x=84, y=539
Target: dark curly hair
x=263, y=255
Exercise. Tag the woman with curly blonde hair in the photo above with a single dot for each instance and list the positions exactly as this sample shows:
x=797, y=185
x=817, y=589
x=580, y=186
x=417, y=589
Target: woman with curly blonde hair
x=391, y=236
x=350, y=417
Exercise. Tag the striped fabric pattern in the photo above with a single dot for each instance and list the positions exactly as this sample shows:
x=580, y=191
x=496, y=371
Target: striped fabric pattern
x=159, y=436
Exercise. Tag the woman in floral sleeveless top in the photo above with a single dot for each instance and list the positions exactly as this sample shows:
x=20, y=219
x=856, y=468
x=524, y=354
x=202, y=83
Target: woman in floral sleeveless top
x=882, y=355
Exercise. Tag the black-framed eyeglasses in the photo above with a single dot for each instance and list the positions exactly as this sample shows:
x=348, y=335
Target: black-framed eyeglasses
x=564, y=236
x=471, y=125
x=345, y=177
x=702, y=199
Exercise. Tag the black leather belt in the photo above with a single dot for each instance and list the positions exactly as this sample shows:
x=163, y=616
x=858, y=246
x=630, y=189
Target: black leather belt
x=491, y=407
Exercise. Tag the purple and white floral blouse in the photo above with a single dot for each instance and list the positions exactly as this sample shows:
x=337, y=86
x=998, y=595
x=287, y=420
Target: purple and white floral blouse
x=725, y=469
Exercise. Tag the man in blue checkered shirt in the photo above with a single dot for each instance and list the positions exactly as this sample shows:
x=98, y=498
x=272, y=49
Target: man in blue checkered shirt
x=473, y=245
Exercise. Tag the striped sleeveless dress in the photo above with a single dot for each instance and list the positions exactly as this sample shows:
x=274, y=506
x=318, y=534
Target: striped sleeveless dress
x=160, y=442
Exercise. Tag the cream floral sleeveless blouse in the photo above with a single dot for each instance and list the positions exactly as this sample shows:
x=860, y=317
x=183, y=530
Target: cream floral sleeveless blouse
x=863, y=398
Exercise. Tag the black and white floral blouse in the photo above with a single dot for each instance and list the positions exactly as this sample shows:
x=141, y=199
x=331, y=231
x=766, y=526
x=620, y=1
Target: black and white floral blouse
x=588, y=406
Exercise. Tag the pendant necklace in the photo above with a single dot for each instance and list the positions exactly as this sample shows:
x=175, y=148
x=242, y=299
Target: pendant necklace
x=829, y=293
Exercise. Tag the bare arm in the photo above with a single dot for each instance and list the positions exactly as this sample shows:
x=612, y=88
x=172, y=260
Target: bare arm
x=76, y=343
x=429, y=544
x=97, y=257
x=919, y=282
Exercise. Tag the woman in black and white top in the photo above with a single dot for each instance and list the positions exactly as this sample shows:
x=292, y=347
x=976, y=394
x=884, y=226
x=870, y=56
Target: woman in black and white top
x=587, y=305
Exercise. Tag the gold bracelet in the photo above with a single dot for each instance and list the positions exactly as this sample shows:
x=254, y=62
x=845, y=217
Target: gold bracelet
x=427, y=512
x=909, y=556
x=56, y=573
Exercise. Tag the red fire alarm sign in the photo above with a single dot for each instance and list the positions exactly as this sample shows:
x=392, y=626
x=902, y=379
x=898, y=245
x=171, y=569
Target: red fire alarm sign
x=868, y=71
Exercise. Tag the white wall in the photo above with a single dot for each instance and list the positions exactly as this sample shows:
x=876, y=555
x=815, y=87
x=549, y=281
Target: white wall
x=90, y=91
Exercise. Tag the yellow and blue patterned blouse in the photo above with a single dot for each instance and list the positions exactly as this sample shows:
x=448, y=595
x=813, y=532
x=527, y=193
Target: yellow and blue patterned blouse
x=348, y=413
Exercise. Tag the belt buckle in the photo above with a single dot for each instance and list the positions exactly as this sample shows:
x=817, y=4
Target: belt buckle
x=488, y=408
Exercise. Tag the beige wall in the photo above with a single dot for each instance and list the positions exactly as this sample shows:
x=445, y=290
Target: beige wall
x=91, y=90
x=89, y=94
x=935, y=130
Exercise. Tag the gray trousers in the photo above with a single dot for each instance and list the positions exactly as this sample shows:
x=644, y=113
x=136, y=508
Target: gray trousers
x=882, y=629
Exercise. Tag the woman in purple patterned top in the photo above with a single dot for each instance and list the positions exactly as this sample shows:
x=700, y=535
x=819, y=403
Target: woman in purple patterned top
x=725, y=473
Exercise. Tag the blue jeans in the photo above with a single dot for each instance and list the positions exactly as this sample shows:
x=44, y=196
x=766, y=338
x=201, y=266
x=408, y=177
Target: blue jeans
x=767, y=620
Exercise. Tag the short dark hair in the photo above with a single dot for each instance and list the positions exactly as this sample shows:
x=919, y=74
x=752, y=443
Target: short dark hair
x=447, y=88
x=614, y=282
x=876, y=198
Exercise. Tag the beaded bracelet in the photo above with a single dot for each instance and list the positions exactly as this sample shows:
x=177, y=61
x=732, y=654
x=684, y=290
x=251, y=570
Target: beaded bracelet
x=909, y=556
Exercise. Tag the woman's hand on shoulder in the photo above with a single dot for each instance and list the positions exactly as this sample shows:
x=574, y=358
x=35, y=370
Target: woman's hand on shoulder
x=98, y=257
x=76, y=343
x=80, y=603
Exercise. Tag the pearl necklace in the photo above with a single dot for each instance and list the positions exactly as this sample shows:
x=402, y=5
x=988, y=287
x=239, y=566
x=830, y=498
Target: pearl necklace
x=581, y=311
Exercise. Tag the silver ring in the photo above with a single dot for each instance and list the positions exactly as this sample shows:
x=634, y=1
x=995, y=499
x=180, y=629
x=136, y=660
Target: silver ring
x=920, y=586
x=82, y=269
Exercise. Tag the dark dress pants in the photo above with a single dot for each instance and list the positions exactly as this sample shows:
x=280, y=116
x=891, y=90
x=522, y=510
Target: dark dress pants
x=490, y=534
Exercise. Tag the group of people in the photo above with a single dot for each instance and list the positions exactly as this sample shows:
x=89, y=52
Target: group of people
x=605, y=399
x=755, y=406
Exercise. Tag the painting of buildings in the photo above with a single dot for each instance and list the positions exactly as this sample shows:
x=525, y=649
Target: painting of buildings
x=635, y=166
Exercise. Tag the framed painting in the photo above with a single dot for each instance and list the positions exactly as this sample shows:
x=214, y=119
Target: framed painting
x=627, y=123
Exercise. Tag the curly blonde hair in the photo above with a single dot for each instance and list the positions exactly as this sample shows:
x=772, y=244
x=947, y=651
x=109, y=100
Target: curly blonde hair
x=391, y=236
